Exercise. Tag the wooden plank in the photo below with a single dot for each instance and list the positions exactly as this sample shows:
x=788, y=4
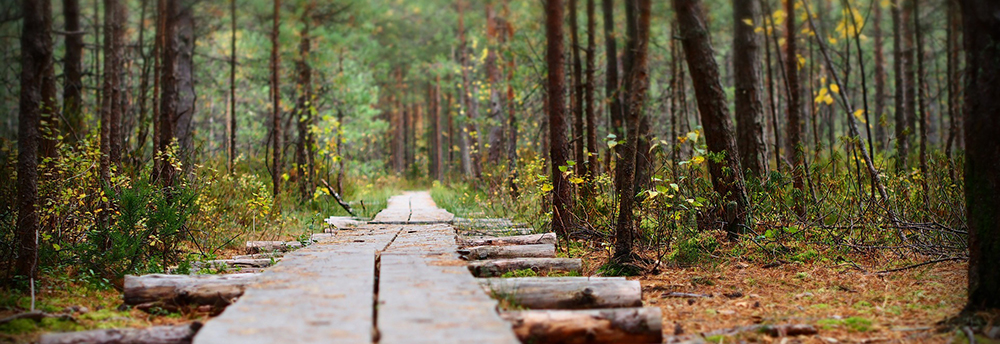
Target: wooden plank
x=497, y=267
x=510, y=251
x=170, y=334
x=433, y=299
x=565, y=292
x=544, y=238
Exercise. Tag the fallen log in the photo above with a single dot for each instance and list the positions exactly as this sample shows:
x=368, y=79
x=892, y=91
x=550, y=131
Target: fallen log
x=618, y=325
x=173, y=334
x=499, y=232
x=271, y=246
x=497, y=267
x=236, y=263
x=565, y=292
x=171, y=291
x=513, y=251
x=339, y=223
x=262, y=255
x=530, y=239
x=337, y=197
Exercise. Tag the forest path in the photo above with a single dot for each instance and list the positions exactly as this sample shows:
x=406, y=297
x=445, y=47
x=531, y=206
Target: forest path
x=397, y=279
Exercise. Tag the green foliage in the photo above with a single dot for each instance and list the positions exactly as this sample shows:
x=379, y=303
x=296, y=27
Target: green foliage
x=520, y=273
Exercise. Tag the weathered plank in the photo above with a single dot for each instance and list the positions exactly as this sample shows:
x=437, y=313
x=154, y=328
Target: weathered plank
x=319, y=294
x=172, y=334
x=618, y=325
x=530, y=239
x=215, y=290
x=270, y=246
x=565, y=292
x=497, y=267
x=432, y=299
x=342, y=223
x=511, y=251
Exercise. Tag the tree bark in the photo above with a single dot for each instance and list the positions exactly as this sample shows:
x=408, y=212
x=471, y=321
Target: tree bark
x=982, y=156
x=180, y=290
x=115, y=17
x=593, y=168
x=562, y=201
x=611, y=81
x=50, y=121
x=73, y=124
x=954, y=78
x=304, y=107
x=899, y=115
x=909, y=82
x=727, y=177
x=746, y=67
x=577, y=99
x=922, y=103
x=625, y=233
x=276, y=133
x=881, y=122
x=493, y=33
x=36, y=56
x=231, y=140
x=621, y=325
x=565, y=292
x=795, y=145
x=497, y=267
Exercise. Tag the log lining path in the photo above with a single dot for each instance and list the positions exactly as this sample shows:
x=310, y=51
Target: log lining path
x=397, y=279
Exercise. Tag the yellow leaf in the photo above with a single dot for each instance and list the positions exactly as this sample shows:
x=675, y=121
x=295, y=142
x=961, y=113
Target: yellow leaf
x=576, y=180
x=834, y=88
x=697, y=160
x=828, y=99
x=748, y=21
x=859, y=113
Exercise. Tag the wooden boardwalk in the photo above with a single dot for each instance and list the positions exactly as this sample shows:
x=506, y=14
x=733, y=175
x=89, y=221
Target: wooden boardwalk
x=396, y=280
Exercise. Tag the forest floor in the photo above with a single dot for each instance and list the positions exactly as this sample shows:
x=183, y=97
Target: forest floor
x=846, y=304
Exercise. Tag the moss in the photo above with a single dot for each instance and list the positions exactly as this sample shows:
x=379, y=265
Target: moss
x=858, y=324
x=520, y=273
x=18, y=326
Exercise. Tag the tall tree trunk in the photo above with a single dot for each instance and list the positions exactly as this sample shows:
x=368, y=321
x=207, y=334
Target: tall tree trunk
x=727, y=177
x=746, y=65
x=435, y=117
x=909, y=73
x=795, y=145
x=50, y=122
x=954, y=78
x=625, y=233
x=304, y=107
x=73, y=125
x=775, y=124
x=111, y=109
x=592, y=167
x=158, y=43
x=611, y=81
x=512, y=126
x=577, y=98
x=276, y=133
x=562, y=201
x=922, y=103
x=881, y=122
x=36, y=56
x=231, y=139
x=982, y=158
x=183, y=38
x=493, y=30
x=899, y=114
x=469, y=163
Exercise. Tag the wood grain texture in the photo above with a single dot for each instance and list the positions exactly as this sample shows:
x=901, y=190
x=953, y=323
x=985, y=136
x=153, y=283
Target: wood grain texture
x=618, y=325
x=565, y=292
x=497, y=267
x=510, y=251
x=530, y=239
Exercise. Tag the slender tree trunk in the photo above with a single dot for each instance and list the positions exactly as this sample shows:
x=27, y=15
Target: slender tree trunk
x=304, y=106
x=36, y=56
x=746, y=65
x=495, y=150
x=276, y=133
x=881, y=122
x=775, y=125
x=795, y=146
x=577, y=99
x=899, y=115
x=469, y=163
x=922, y=103
x=435, y=117
x=592, y=166
x=73, y=125
x=982, y=170
x=50, y=123
x=909, y=73
x=954, y=78
x=158, y=41
x=625, y=233
x=562, y=202
x=512, y=126
x=184, y=40
x=611, y=82
x=727, y=176
x=231, y=140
